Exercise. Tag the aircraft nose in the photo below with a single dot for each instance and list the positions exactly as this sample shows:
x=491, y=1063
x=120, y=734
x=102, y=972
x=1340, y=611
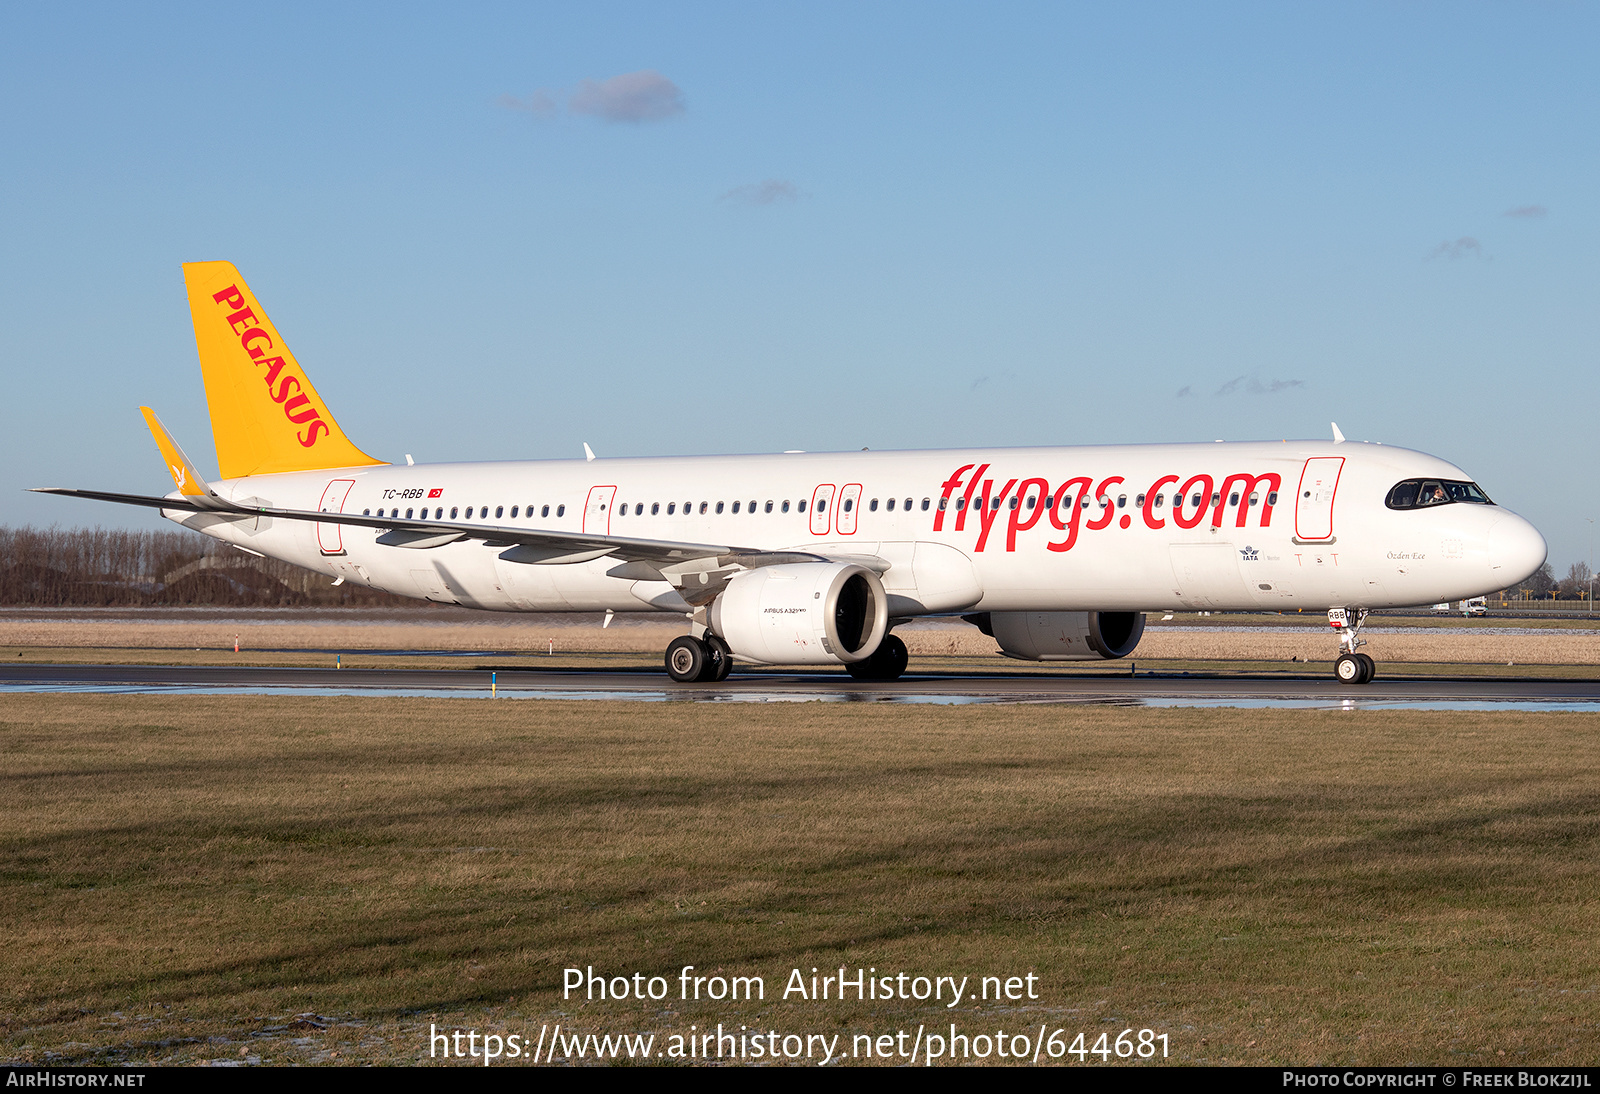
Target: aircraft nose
x=1516, y=550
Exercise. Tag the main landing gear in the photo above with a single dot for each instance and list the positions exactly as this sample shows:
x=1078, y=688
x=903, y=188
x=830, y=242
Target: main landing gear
x=692, y=660
x=707, y=660
x=887, y=662
x=1352, y=667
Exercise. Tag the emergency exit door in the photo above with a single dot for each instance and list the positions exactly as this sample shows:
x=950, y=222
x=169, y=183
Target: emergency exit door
x=597, y=511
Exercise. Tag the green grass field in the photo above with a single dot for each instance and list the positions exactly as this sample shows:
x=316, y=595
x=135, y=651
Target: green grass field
x=189, y=878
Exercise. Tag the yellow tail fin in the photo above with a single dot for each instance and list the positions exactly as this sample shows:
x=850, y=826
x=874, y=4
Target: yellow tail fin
x=265, y=415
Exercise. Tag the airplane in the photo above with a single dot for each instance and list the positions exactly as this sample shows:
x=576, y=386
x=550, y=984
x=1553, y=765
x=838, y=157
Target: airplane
x=813, y=558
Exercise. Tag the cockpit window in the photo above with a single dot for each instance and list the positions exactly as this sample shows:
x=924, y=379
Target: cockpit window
x=1421, y=493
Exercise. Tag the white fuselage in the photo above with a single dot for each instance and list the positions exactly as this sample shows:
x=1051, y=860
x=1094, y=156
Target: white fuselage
x=1261, y=525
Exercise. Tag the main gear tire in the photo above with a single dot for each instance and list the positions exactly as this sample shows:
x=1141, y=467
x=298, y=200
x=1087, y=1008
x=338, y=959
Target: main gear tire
x=887, y=662
x=687, y=659
x=719, y=660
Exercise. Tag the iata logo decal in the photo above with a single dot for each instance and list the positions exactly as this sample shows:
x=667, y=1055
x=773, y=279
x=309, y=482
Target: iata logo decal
x=256, y=342
x=1028, y=500
x=1248, y=553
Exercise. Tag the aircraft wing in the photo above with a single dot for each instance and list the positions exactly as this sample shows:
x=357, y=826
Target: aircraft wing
x=645, y=559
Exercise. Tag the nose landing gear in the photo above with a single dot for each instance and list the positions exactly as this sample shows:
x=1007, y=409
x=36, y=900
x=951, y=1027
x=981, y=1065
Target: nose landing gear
x=1352, y=667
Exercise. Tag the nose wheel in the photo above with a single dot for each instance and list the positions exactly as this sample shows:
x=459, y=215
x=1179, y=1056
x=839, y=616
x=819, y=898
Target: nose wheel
x=1352, y=667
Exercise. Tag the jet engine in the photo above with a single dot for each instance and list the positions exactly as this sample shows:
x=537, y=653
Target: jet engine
x=802, y=613
x=1062, y=636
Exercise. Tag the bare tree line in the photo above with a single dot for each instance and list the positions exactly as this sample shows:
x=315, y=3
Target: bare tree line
x=98, y=567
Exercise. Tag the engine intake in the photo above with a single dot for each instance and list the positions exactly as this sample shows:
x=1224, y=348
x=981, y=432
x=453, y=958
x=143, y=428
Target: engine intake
x=803, y=613
x=1062, y=636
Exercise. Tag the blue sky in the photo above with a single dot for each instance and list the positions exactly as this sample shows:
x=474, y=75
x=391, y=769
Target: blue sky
x=500, y=231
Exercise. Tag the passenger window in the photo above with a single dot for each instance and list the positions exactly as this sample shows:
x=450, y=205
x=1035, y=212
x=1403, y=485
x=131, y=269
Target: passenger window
x=849, y=504
x=752, y=508
x=1254, y=498
x=799, y=506
x=438, y=513
x=703, y=507
x=408, y=514
x=1160, y=499
x=1138, y=502
x=768, y=507
x=1195, y=501
x=513, y=512
x=561, y=510
x=1272, y=498
x=655, y=508
x=960, y=504
x=1233, y=498
x=499, y=511
x=1013, y=504
x=908, y=504
x=735, y=507
x=638, y=510
x=873, y=506
x=545, y=512
x=1032, y=501
x=944, y=503
x=1122, y=501
x=672, y=507
x=889, y=505
x=452, y=512
x=822, y=505
x=1216, y=499
x=366, y=512
x=719, y=507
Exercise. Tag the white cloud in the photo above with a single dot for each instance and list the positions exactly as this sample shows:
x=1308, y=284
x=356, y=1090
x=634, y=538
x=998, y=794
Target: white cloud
x=1465, y=247
x=765, y=192
x=541, y=104
x=1527, y=212
x=644, y=96
x=1254, y=385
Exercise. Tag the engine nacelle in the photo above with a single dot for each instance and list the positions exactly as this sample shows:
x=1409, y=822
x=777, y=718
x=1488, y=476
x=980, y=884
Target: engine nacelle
x=1062, y=636
x=803, y=613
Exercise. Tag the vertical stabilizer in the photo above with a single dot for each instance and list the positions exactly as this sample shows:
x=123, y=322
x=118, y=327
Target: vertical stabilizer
x=265, y=415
